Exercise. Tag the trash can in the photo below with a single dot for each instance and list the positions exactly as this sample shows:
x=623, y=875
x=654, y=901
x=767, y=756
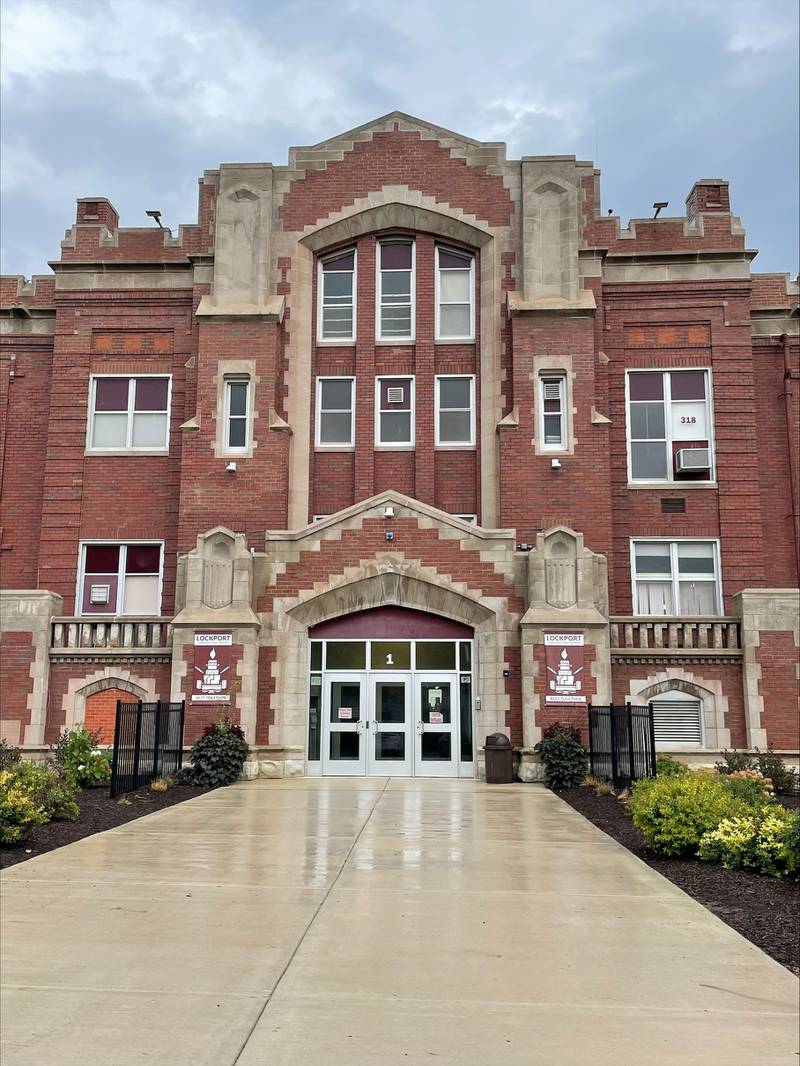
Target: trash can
x=499, y=760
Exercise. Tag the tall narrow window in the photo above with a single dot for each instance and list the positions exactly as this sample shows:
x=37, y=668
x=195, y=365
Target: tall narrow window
x=122, y=579
x=676, y=577
x=669, y=425
x=455, y=410
x=337, y=302
x=553, y=412
x=395, y=291
x=394, y=414
x=128, y=413
x=335, y=425
x=237, y=414
x=455, y=295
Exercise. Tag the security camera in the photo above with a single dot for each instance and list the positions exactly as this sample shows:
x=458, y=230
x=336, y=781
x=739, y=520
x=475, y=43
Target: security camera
x=231, y=468
x=389, y=535
x=555, y=464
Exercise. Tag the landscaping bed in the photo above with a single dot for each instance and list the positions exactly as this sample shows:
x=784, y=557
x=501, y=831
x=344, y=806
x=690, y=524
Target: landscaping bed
x=763, y=909
x=98, y=812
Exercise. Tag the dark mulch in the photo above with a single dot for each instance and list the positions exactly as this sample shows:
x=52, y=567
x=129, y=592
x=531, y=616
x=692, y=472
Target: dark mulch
x=763, y=909
x=97, y=813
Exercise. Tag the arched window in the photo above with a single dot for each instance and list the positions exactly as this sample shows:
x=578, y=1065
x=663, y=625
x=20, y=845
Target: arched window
x=677, y=719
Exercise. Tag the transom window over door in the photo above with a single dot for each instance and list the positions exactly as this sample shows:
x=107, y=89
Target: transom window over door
x=120, y=579
x=128, y=413
x=395, y=291
x=676, y=577
x=394, y=414
x=455, y=295
x=337, y=300
x=335, y=423
x=669, y=425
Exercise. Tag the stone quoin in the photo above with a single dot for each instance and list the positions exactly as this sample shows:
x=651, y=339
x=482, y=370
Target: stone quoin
x=387, y=429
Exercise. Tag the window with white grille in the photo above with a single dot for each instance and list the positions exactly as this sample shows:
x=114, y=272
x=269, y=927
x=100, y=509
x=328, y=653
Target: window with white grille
x=336, y=317
x=455, y=295
x=455, y=410
x=395, y=303
x=335, y=421
x=678, y=577
x=553, y=412
x=677, y=720
x=670, y=425
x=129, y=413
x=120, y=579
x=394, y=412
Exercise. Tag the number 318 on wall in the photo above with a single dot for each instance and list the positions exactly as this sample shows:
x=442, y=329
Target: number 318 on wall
x=687, y=420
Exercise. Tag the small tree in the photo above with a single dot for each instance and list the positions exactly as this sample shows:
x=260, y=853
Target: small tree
x=219, y=755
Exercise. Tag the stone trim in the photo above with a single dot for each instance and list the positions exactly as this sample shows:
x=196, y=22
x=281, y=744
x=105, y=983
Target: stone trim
x=717, y=735
x=73, y=702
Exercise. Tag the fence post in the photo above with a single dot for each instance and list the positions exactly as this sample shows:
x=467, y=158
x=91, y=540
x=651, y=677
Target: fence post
x=137, y=746
x=653, y=765
x=156, y=735
x=180, y=734
x=631, y=754
x=591, y=738
x=115, y=754
x=612, y=722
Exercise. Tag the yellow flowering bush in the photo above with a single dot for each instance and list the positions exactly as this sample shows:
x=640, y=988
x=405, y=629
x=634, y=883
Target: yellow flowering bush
x=18, y=811
x=758, y=841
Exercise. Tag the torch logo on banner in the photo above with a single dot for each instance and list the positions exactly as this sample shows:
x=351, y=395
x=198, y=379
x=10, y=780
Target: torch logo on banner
x=212, y=662
x=565, y=676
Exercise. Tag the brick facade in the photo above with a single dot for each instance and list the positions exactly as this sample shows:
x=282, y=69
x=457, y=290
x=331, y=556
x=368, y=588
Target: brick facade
x=559, y=288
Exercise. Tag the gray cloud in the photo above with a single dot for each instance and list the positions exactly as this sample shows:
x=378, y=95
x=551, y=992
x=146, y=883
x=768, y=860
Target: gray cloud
x=132, y=99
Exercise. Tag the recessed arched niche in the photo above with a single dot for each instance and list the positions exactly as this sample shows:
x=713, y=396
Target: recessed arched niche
x=561, y=569
x=218, y=570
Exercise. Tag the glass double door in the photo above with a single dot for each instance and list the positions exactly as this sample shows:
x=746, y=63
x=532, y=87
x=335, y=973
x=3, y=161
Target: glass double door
x=390, y=724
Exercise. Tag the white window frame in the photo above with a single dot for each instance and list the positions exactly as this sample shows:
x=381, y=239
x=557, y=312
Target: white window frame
x=127, y=448
x=674, y=577
x=340, y=446
x=549, y=376
x=679, y=696
x=379, y=338
x=336, y=341
x=666, y=385
x=437, y=411
x=470, y=338
x=395, y=445
x=123, y=546
x=227, y=447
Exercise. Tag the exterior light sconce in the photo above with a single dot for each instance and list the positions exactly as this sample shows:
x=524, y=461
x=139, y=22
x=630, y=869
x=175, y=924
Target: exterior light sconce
x=388, y=512
x=231, y=468
x=555, y=464
x=506, y=673
x=389, y=534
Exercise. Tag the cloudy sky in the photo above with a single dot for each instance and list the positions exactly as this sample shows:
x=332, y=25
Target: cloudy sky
x=133, y=99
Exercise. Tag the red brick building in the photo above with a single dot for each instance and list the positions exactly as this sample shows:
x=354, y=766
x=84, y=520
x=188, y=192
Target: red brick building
x=398, y=445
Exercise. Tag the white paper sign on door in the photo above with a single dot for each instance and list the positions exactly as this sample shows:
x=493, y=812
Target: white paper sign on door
x=436, y=718
x=345, y=713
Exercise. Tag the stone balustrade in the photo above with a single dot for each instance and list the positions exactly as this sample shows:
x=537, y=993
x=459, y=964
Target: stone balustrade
x=675, y=636
x=110, y=636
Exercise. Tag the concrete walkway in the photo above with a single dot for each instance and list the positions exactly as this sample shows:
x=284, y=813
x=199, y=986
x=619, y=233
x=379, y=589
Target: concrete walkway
x=326, y=923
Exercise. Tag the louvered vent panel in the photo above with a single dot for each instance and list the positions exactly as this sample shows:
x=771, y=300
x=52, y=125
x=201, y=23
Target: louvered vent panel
x=552, y=390
x=677, y=721
x=394, y=394
x=673, y=505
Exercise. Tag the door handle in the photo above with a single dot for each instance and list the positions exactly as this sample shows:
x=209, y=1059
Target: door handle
x=420, y=727
x=374, y=727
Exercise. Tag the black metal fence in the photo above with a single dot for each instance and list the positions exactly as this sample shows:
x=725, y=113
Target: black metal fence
x=622, y=743
x=148, y=743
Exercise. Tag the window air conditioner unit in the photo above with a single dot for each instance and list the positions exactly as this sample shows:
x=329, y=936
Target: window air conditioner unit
x=394, y=394
x=692, y=460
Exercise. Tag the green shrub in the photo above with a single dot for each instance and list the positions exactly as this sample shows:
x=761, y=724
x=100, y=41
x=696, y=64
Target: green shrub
x=219, y=755
x=771, y=765
x=673, y=813
x=791, y=839
x=748, y=785
x=666, y=766
x=18, y=812
x=564, y=757
x=9, y=755
x=47, y=788
x=79, y=760
x=735, y=760
x=755, y=841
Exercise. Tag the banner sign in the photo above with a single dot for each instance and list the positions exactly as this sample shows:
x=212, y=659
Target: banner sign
x=212, y=668
x=564, y=661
